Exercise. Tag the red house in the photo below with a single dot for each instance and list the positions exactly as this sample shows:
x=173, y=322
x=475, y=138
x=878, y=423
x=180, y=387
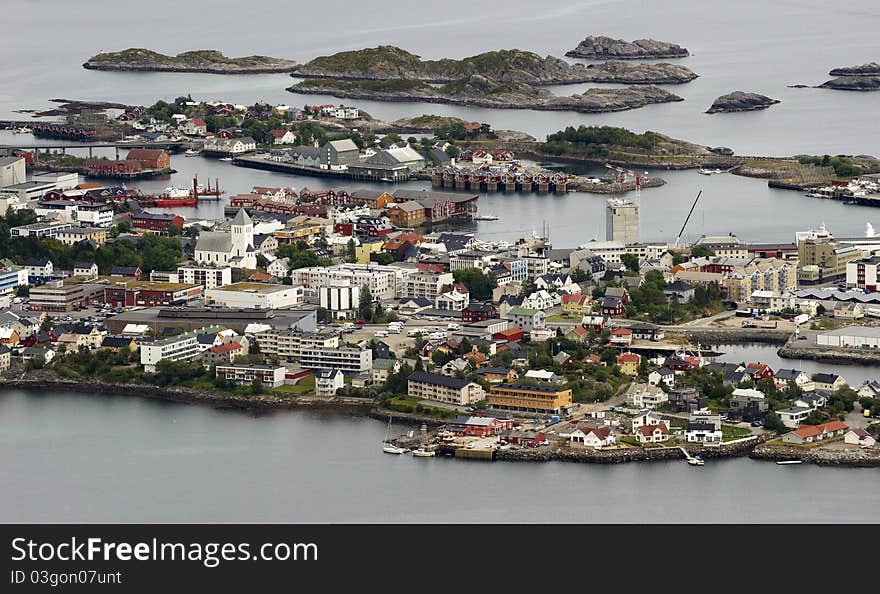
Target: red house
x=477, y=312
x=478, y=426
x=509, y=335
x=529, y=439
x=612, y=306
x=100, y=167
x=159, y=223
x=759, y=371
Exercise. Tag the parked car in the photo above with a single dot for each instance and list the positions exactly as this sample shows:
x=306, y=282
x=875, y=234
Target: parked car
x=757, y=423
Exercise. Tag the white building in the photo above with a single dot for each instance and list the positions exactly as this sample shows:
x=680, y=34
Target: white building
x=315, y=351
x=230, y=146
x=209, y=277
x=851, y=337
x=381, y=280
x=425, y=284
x=175, y=348
x=255, y=296
x=342, y=300
x=621, y=220
x=234, y=248
x=328, y=381
x=244, y=374
x=12, y=171
x=645, y=396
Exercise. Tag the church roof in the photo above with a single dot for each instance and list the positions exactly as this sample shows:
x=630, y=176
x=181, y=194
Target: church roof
x=214, y=241
x=242, y=218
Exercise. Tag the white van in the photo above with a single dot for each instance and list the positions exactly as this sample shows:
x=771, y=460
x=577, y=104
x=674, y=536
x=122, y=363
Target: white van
x=380, y=334
x=453, y=327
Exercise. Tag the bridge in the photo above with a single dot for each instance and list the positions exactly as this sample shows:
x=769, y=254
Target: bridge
x=172, y=146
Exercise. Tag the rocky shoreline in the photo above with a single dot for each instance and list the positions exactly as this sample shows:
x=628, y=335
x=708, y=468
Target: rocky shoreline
x=481, y=92
x=741, y=101
x=597, y=47
x=855, y=458
x=869, y=69
x=845, y=356
x=639, y=74
x=199, y=61
x=853, y=83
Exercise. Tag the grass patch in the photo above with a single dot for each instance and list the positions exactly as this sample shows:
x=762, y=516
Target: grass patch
x=731, y=432
x=410, y=404
x=303, y=387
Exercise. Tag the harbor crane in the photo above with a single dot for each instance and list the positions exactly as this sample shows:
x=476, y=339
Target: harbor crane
x=688, y=218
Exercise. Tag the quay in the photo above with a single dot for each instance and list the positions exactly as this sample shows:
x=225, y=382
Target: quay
x=255, y=162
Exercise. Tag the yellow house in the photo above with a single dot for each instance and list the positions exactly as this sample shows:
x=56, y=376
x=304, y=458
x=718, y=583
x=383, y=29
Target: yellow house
x=531, y=399
x=9, y=336
x=629, y=363
x=362, y=252
x=576, y=304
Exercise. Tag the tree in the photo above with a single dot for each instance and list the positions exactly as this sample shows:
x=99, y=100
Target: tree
x=257, y=386
x=578, y=275
x=464, y=347
x=631, y=261
x=701, y=251
x=365, y=304
x=774, y=423
x=478, y=283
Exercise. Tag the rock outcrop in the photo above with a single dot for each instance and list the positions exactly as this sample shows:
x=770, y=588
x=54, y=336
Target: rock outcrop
x=853, y=83
x=869, y=69
x=634, y=73
x=208, y=61
x=607, y=48
x=388, y=62
x=480, y=91
x=741, y=101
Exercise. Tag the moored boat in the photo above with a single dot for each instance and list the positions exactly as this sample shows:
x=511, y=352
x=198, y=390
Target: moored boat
x=786, y=462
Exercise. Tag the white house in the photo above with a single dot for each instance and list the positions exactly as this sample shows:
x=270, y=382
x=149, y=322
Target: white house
x=85, y=269
x=664, y=375
x=593, y=437
x=646, y=417
x=645, y=396
x=859, y=437
x=328, y=381
x=279, y=268
x=702, y=432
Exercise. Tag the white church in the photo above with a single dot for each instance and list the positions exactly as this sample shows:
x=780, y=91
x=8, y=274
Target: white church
x=233, y=248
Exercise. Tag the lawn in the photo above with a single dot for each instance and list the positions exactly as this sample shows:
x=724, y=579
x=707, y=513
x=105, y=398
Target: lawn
x=410, y=404
x=303, y=387
x=731, y=432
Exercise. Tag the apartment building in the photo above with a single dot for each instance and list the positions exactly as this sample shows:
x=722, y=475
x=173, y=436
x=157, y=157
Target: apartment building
x=381, y=280
x=209, y=277
x=761, y=274
x=315, y=351
x=175, y=348
x=529, y=399
x=425, y=284
x=442, y=388
x=244, y=374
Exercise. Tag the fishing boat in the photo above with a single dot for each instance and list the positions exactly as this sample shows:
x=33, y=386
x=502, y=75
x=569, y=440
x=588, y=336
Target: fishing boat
x=786, y=462
x=387, y=446
x=22, y=130
x=696, y=461
x=190, y=152
x=386, y=179
x=485, y=217
x=423, y=453
x=226, y=159
x=169, y=198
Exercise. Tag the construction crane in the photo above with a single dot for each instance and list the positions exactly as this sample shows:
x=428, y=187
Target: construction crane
x=690, y=212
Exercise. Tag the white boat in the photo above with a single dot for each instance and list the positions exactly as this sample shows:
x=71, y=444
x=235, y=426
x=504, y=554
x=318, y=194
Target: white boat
x=226, y=158
x=190, y=152
x=387, y=446
x=423, y=453
x=23, y=130
x=785, y=462
x=704, y=172
x=696, y=461
x=386, y=179
x=486, y=217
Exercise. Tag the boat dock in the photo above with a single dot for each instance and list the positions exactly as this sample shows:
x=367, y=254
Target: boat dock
x=255, y=162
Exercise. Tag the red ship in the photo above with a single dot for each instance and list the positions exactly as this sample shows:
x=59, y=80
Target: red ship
x=175, y=197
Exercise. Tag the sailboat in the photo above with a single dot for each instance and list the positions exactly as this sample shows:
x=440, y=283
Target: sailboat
x=387, y=446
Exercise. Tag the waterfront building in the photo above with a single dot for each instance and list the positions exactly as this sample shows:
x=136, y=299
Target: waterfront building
x=328, y=381
x=175, y=348
x=441, y=388
x=529, y=399
x=339, y=154
x=702, y=432
x=621, y=220
x=246, y=374
x=813, y=433
x=851, y=337
x=822, y=258
x=652, y=433
x=255, y=296
x=230, y=146
x=792, y=417
x=315, y=351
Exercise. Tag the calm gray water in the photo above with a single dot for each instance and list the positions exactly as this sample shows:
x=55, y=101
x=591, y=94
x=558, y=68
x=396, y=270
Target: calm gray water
x=755, y=46
x=91, y=458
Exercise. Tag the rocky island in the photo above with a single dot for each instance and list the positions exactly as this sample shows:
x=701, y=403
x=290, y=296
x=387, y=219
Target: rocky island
x=388, y=62
x=206, y=61
x=853, y=83
x=639, y=74
x=869, y=69
x=479, y=91
x=606, y=48
x=741, y=101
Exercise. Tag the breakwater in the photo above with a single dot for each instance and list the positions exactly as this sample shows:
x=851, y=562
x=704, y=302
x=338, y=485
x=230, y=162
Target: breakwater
x=857, y=458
